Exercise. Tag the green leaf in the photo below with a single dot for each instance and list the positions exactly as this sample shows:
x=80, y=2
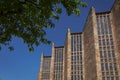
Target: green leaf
x=27, y=19
x=31, y=49
x=59, y=10
x=11, y=48
x=77, y=12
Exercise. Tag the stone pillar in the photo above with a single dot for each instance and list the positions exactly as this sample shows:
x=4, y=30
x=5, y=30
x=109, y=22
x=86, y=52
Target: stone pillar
x=83, y=58
x=90, y=49
x=63, y=71
x=115, y=25
x=52, y=63
x=41, y=64
x=97, y=55
x=68, y=54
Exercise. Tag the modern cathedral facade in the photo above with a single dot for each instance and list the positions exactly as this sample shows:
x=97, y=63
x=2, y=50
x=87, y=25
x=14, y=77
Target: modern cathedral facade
x=93, y=54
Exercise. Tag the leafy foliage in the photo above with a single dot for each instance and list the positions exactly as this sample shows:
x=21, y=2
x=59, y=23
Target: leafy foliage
x=28, y=18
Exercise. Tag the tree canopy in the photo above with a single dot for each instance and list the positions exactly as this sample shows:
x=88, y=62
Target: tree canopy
x=27, y=19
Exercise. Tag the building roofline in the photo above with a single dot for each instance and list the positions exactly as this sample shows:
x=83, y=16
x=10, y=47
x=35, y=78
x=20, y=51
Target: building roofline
x=46, y=56
x=73, y=33
x=113, y=5
x=103, y=12
x=59, y=46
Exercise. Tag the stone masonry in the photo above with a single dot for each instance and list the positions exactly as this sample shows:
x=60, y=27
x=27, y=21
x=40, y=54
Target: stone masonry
x=93, y=54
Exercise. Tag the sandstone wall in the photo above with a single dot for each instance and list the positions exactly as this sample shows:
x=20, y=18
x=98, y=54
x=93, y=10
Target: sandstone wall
x=89, y=49
x=115, y=20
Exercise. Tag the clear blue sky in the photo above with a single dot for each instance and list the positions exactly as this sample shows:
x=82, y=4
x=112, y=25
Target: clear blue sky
x=20, y=64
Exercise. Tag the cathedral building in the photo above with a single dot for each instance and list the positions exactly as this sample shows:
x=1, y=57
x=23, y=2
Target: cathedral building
x=93, y=54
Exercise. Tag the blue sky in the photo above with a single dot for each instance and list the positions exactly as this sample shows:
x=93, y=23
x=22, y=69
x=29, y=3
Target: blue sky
x=21, y=64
